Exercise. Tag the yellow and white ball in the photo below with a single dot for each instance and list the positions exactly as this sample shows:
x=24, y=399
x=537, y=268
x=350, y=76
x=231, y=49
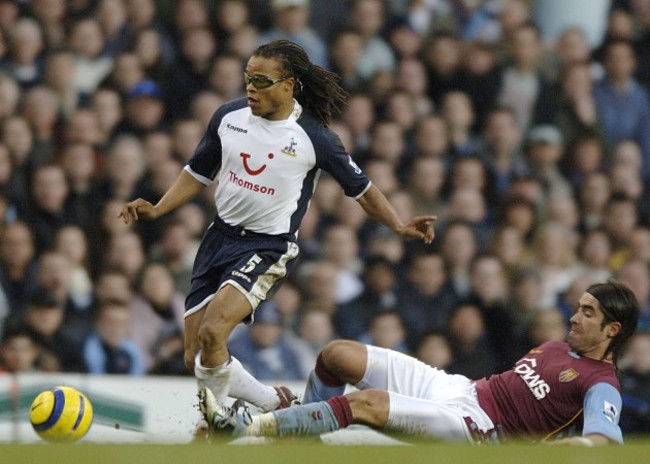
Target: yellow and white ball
x=61, y=414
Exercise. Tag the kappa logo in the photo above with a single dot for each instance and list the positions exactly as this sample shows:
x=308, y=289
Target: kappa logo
x=236, y=129
x=568, y=375
x=291, y=148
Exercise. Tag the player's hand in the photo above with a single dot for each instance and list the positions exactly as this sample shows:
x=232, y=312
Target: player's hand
x=420, y=227
x=137, y=210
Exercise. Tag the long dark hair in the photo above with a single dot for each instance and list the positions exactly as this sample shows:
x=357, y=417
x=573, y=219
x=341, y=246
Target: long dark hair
x=619, y=304
x=317, y=89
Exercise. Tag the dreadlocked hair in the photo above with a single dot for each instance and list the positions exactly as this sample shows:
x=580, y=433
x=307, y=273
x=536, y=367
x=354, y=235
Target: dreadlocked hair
x=317, y=89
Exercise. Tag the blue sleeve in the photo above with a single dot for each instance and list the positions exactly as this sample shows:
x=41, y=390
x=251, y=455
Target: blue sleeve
x=206, y=160
x=332, y=158
x=602, y=411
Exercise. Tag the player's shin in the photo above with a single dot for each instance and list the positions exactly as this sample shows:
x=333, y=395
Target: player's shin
x=243, y=385
x=309, y=419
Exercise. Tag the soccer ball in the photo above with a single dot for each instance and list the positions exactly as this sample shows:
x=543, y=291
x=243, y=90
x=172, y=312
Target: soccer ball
x=61, y=414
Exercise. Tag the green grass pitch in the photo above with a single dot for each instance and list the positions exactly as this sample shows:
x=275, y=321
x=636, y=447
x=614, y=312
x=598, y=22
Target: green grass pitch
x=311, y=452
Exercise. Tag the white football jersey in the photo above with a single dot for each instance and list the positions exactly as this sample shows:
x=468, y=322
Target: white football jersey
x=268, y=170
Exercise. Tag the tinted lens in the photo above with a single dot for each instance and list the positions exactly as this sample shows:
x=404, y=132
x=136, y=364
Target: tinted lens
x=259, y=82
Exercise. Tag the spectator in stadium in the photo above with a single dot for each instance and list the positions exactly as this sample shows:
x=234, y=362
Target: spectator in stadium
x=359, y=116
x=546, y=325
x=314, y=329
x=340, y=246
x=190, y=75
x=157, y=308
x=544, y=149
x=91, y=64
x=41, y=111
x=640, y=243
x=411, y=77
x=368, y=17
x=18, y=351
x=502, y=137
x=47, y=209
x=290, y=20
x=620, y=217
x=78, y=161
x=496, y=409
x=380, y=281
x=144, y=110
x=124, y=168
x=265, y=350
x=636, y=274
x=426, y=295
x=45, y=316
x=593, y=197
x=577, y=114
x=623, y=104
x=176, y=249
x=472, y=354
x=125, y=251
x=585, y=155
x=109, y=348
x=635, y=385
x=226, y=76
x=18, y=268
x=426, y=179
x=386, y=330
x=72, y=241
x=256, y=236
x=112, y=284
x=458, y=248
x=434, y=350
x=23, y=60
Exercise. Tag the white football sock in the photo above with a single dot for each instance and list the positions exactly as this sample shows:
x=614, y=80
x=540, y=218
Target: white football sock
x=215, y=378
x=246, y=387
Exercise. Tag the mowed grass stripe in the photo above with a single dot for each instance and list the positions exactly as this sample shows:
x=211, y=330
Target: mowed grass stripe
x=316, y=453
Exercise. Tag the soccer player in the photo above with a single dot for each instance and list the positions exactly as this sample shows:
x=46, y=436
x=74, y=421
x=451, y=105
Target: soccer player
x=266, y=151
x=557, y=389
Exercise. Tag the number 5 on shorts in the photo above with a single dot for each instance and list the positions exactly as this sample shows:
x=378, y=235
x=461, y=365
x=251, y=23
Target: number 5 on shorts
x=250, y=265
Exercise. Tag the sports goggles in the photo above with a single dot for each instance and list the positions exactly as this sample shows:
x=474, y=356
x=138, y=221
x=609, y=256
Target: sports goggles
x=262, y=82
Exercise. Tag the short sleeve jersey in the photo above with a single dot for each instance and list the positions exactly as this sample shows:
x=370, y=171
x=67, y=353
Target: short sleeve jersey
x=267, y=170
x=553, y=392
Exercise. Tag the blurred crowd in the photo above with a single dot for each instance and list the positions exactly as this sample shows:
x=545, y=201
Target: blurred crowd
x=534, y=152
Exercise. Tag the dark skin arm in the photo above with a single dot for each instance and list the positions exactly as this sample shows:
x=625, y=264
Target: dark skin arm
x=185, y=188
x=377, y=206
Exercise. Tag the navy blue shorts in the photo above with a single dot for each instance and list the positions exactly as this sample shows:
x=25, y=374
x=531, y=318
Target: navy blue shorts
x=255, y=264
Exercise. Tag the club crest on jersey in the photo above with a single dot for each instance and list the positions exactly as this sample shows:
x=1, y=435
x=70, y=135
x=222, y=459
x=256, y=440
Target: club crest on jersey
x=291, y=148
x=568, y=375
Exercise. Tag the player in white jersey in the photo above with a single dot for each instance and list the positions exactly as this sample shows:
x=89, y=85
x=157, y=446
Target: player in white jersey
x=267, y=152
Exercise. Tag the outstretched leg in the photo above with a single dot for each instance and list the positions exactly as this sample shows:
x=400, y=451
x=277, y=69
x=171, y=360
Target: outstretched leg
x=375, y=408
x=206, y=353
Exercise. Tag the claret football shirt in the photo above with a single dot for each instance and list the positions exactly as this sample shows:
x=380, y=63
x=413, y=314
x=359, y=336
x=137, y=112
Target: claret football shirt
x=554, y=392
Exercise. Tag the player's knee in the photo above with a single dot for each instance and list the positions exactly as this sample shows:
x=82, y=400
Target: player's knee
x=346, y=359
x=370, y=407
x=212, y=336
